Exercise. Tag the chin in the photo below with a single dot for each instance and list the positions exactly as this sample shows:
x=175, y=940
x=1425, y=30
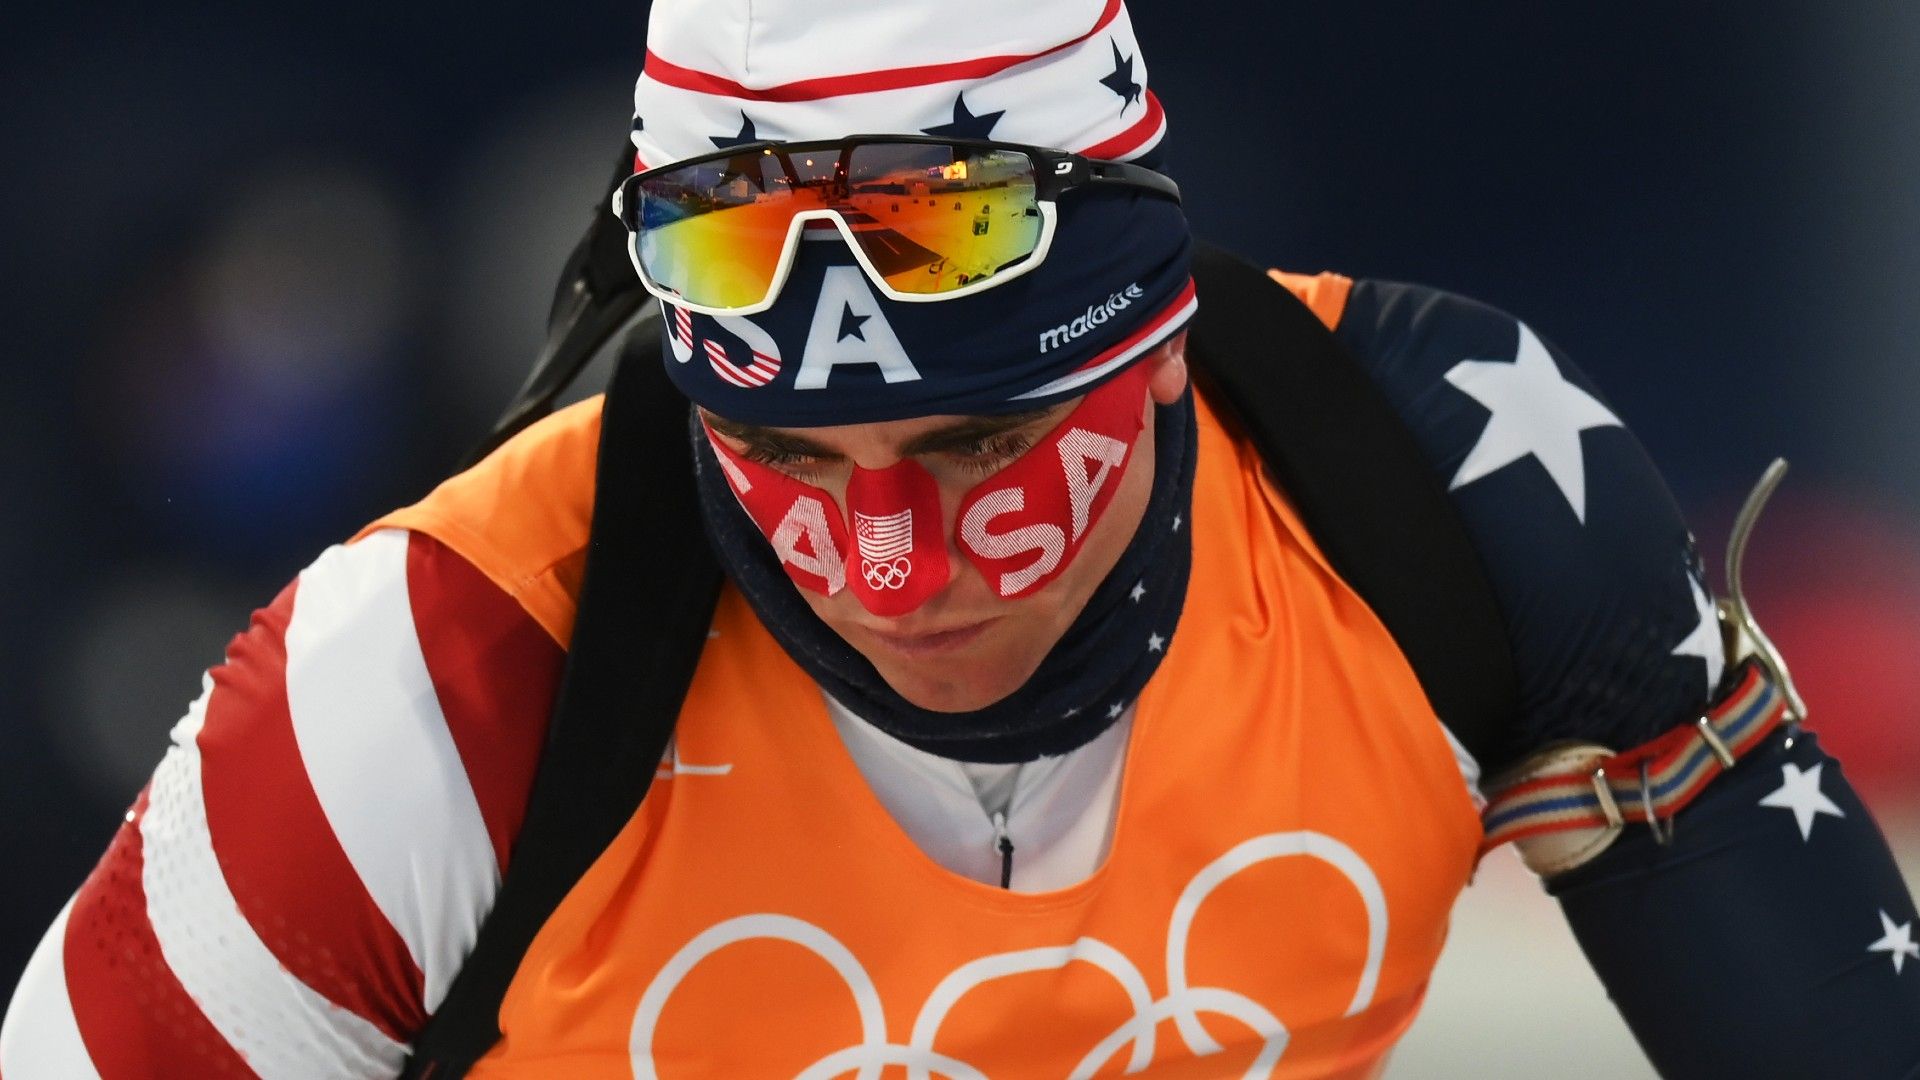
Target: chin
x=947, y=698
x=953, y=685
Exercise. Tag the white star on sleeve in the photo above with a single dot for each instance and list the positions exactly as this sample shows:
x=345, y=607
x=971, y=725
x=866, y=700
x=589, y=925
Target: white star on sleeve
x=1800, y=792
x=1896, y=941
x=1704, y=641
x=1536, y=411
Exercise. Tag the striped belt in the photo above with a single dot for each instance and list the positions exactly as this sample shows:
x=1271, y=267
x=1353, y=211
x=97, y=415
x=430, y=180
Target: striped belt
x=1649, y=783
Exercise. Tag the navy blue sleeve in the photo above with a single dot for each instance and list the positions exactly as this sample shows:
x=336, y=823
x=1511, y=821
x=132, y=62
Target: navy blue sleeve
x=1589, y=559
x=1773, y=935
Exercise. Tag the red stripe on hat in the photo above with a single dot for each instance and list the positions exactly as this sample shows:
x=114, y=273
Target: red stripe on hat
x=288, y=875
x=725, y=368
x=494, y=671
x=671, y=74
x=1123, y=353
x=758, y=372
x=1144, y=132
x=727, y=373
x=134, y=1016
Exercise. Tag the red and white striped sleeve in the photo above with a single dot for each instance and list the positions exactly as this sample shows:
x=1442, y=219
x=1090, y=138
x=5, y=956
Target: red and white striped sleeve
x=311, y=861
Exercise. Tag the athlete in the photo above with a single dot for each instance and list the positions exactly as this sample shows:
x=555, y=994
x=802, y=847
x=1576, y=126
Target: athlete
x=1051, y=721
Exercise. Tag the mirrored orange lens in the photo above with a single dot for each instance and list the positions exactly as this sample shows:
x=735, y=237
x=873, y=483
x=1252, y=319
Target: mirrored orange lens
x=934, y=219
x=931, y=218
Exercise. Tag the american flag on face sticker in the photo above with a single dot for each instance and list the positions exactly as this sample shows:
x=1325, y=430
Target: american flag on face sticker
x=882, y=538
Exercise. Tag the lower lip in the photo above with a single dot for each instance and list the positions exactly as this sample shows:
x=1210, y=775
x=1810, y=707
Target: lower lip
x=945, y=641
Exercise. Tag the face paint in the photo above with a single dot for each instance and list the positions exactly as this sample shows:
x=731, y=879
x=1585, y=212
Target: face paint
x=1025, y=524
x=900, y=546
x=1021, y=527
x=801, y=522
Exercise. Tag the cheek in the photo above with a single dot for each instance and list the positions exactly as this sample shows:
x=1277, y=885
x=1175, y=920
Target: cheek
x=1058, y=602
x=1108, y=538
x=1030, y=523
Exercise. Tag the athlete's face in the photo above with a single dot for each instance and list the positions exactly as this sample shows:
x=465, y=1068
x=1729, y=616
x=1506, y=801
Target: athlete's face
x=966, y=647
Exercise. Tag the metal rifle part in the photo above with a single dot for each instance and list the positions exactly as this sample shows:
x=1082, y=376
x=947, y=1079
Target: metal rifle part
x=1742, y=634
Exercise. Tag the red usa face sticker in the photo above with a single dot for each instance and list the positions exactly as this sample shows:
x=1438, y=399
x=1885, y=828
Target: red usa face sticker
x=899, y=557
x=895, y=556
x=1026, y=523
x=1021, y=526
x=801, y=521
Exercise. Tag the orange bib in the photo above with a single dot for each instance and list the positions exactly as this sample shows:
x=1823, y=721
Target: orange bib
x=1292, y=831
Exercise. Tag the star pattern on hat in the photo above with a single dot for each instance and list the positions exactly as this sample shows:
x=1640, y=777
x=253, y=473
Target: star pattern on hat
x=1139, y=590
x=1156, y=643
x=850, y=324
x=966, y=124
x=745, y=135
x=1121, y=80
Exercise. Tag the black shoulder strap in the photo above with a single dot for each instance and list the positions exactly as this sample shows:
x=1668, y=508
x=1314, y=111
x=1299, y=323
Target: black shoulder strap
x=645, y=605
x=1364, y=488
x=1330, y=437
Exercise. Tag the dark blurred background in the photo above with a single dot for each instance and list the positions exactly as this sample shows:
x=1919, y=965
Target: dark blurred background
x=271, y=269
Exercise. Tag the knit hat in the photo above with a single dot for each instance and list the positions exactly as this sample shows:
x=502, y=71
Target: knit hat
x=1066, y=74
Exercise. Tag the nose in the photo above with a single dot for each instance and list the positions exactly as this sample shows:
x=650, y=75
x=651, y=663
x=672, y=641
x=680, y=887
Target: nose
x=899, y=556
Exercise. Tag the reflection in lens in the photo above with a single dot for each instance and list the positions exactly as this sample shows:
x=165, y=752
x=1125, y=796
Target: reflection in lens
x=935, y=218
x=712, y=232
x=931, y=218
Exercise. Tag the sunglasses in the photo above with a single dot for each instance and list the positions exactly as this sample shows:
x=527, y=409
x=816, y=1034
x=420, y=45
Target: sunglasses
x=928, y=218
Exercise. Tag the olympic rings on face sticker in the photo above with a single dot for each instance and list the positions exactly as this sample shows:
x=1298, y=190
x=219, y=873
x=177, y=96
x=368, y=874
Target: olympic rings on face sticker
x=886, y=575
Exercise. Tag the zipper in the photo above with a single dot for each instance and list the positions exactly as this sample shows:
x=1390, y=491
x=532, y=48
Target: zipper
x=1003, y=843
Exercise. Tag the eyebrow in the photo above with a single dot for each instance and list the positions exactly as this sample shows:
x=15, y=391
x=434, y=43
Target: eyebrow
x=953, y=436
x=970, y=430
x=766, y=438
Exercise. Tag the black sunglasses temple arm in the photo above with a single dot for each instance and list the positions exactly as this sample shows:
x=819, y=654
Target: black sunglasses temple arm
x=1057, y=172
x=1124, y=174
